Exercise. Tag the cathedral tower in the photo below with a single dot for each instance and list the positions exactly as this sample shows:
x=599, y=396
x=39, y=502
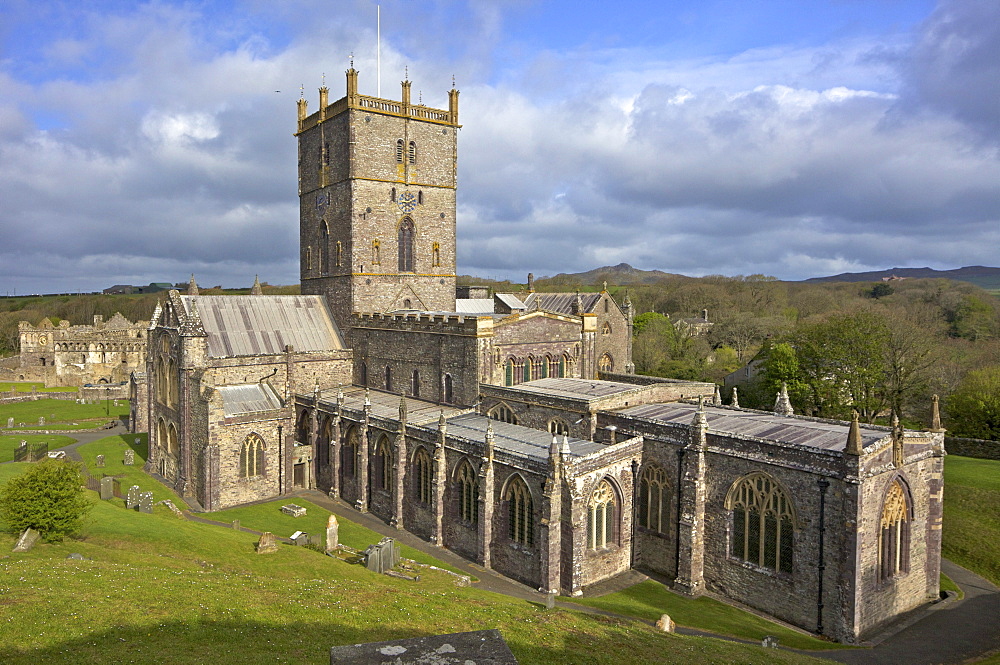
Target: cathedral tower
x=377, y=202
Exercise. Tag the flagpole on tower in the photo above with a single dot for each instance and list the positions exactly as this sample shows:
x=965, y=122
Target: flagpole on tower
x=378, y=50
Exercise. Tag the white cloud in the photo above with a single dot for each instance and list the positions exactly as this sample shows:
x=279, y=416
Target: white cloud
x=179, y=128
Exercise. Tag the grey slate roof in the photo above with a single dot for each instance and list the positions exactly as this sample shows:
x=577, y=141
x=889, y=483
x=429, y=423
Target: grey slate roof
x=562, y=302
x=263, y=325
x=515, y=439
x=779, y=429
x=248, y=398
x=576, y=388
x=386, y=405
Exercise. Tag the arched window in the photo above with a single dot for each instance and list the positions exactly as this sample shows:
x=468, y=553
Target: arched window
x=407, y=303
x=420, y=196
x=606, y=328
x=302, y=427
x=503, y=413
x=558, y=426
x=538, y=367
x=449, y=389
x=388, y=378
x=392, y=195
x=468, y=493
x=340, y=254
x=309, y=258
x=323, y=442
x=606, y=363
x=894, y=534
x=413, y=152
x=161, y=434
x=601, y=517
x=422, y=477
x=406, y=233
x=349, y=453
x=527, y=369
x=553, y=366
x=563, y=366
x=415, y=384
x=399, y=151
x=252, y=456
x=763, y=522
x=520, y=513
x=383, y=465
x=363, y=373
x=653, y=497
x=436, y=254
x=324, y=248
x=508, y=372
x=376, y=251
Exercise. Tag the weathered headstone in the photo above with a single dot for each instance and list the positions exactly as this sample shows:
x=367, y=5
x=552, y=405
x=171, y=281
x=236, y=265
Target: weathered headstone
x=382, y=556
x=107, y=488
x=267, y=543
x=129, y=457
x=665, y=623
x=332, y=533
x=10, y=422
x=300, y=538
x=41, y=420
x=132, y=498
x=100, y=462
x=27, y=540
x=293, y=510
x=145, y=502
x=77, y=556
x=550, y=601
x=482, y=646
x=316, y=540
x=236, y=525
x=769, y=642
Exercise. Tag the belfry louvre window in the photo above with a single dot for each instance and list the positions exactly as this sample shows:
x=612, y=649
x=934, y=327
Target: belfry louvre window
x=468, y=493
x=763, y=523
x=406, y=233
x=422, y=465
x=252, y=457
x=601, y=517
x=399, y=151
x=520, y=513
x=653, y=496
x=894, y=534
x=413, y=152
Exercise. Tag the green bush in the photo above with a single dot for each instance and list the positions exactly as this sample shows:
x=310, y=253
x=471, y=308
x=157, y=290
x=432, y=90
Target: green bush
x=47, y=497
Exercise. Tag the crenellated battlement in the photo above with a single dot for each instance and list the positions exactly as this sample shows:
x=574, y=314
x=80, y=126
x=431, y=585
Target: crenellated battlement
x=454, y=324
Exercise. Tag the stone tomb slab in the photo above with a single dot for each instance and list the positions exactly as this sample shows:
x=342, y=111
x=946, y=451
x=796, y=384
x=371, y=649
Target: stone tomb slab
x=482, y=647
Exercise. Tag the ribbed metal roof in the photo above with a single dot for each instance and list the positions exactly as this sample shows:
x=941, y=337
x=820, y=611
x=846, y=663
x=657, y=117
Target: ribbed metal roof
x=767, y=426
x=248, y=398
x=474, y=306
x=576, y=388
x=562, y=303
x=263, y=325
x=510, y=300
x=515, y=439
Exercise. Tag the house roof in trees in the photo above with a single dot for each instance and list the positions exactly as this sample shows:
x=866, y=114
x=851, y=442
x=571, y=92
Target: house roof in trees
x=789, y=430
x=264, y=325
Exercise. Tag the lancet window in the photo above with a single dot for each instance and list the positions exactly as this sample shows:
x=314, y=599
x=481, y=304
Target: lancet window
x=653, y=497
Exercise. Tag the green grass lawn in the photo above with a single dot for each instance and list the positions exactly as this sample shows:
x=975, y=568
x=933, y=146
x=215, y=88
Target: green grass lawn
x=158, y=589
x=58, y=412
x=971, y=533
x=8, y=442
x=27, y=387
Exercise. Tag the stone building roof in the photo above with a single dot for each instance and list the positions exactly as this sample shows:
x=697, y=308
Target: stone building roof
x=824, y=434
x=386, y=405
x=562, y=303
x=517, y=440
x=577, y=388
x=247, y=398
x=264, y=325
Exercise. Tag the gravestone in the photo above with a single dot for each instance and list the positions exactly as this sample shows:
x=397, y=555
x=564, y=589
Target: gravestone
x=769, y=642
x=665, y=623
x=132, y=498
x=550, y=601
x=481, y=646
x=382, y=556
x=332, y=533
x=10, y=422
x=236, y=524
x=107, y=488
x=136, y=441
x=41, y=420
x=129, y=457
x=76, y=556
x=300, y=538
x=293, y=510
x=146, y=502
x=27, y=540
x=100, y=462
x=267, y=543
x=316, y=541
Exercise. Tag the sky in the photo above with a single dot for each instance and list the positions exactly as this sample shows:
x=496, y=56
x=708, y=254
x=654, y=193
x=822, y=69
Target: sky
x=144, y=142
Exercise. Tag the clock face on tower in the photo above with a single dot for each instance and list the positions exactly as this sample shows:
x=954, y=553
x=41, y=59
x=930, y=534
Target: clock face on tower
x=407, y=201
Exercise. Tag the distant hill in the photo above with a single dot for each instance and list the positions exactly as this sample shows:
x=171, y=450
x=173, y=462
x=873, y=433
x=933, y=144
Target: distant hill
x=621, y=274
x=982, y=276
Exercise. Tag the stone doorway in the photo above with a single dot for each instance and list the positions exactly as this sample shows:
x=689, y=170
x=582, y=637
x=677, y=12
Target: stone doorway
x=299, y=475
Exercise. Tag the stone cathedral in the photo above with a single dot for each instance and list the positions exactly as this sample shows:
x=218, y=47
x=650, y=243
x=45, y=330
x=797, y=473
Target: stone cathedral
x=510, y=427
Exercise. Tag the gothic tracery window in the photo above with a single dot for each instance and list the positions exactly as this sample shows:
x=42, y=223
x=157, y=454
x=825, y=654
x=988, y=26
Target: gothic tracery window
x=383, y=465
x=653, y=496
x=422, y=479
x=601, y=517
x=520, y=513
x=406, y=233
x=503, y=413
x=762, y=523
x=252, y=456
x=558, y=427
x=894, y=534
x=349, y=453
x=606, y=363
x=468, y=493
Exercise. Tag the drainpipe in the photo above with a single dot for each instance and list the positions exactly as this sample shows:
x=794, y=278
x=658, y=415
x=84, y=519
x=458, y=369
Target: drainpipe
x=823, y=485
x=677, y=538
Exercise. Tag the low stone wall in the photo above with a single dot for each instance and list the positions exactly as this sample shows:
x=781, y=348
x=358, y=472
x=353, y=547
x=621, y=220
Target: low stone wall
x=980, y=448
x=15, y=396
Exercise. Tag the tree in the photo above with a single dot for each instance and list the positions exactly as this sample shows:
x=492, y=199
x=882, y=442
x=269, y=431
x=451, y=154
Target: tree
x=973, y=410
x=47, y=497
